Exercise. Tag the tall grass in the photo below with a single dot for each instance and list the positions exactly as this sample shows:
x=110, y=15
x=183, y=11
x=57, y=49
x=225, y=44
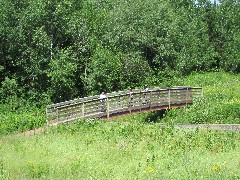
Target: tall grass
x=113, y=150
x=130, y=147
x=220, y=104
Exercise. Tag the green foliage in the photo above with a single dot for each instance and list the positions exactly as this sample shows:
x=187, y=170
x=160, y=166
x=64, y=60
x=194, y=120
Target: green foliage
x=9, y=94
x=9, y=88
x=62, y=75
x=104, y=71
x=195, y=52
x=20, y=120
x=71, y=48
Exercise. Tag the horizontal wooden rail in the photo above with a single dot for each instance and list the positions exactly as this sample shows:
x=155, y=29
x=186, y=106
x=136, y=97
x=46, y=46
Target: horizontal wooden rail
x=122, y=102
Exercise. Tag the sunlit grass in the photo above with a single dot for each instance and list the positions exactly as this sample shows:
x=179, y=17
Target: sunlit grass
x=132, y=146
x=220, y=104
x=109, y=150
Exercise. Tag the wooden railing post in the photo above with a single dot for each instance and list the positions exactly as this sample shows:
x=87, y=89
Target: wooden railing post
x=57, y=116
x=150, y=103
x=140, y=100
x=130, y=102
x=83, y=110
x=186, y=96
x=169, y=99
x=47, y=116
x=107, y=108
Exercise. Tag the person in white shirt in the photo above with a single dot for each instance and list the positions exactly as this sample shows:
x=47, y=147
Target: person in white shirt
x=145, y=88
x=103, y=101
x=145, y=97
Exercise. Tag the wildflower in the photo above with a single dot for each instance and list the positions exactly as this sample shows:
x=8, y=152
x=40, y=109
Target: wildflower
x=150, y=169
x=215, y=168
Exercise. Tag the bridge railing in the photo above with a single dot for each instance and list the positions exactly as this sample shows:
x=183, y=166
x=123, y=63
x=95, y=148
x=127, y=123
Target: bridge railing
x=122, y=102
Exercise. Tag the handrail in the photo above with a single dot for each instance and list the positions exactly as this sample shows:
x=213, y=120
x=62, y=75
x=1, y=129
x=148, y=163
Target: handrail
x=122, y=102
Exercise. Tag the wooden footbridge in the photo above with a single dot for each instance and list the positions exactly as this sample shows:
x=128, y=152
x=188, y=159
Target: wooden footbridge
x=122, y=103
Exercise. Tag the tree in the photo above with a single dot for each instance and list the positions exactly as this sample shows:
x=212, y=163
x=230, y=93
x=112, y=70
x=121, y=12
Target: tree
x=230, y=35
x=62, y=75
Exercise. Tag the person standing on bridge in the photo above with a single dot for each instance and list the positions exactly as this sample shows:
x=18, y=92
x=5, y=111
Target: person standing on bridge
x=145, y=96
x=145, y=88
x=103, y=101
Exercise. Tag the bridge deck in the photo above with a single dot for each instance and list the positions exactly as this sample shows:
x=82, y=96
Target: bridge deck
x=121, y=103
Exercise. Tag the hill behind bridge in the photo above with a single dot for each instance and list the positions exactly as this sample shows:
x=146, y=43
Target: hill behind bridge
x=220, y=105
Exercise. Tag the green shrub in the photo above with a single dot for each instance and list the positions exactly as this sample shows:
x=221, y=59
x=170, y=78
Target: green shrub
x=21, y=121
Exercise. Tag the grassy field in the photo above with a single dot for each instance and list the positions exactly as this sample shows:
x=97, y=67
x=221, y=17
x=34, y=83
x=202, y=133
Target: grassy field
x=220, y=104
x=130, y=147
x=118, y=150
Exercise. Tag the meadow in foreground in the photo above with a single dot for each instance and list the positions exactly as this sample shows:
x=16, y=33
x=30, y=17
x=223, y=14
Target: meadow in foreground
x=119, y=150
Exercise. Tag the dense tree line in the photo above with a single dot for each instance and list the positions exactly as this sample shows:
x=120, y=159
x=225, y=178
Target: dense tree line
x=61, y=49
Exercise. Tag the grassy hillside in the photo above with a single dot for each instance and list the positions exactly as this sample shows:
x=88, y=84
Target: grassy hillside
x=107, y=150
x=220, y=104
x=130, y=147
